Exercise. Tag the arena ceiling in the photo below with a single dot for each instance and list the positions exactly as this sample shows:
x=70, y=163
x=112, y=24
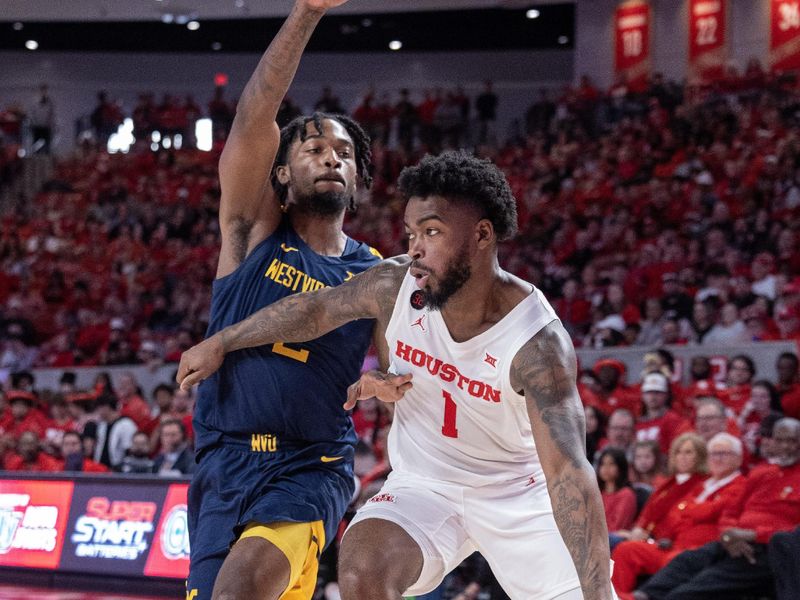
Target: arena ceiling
x=245, y=25
x=143, y=10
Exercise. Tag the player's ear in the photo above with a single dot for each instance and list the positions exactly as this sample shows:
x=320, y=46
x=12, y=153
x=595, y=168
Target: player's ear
x=284, y=174
x=484, y=233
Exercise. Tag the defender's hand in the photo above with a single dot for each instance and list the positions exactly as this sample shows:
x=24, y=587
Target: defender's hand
x=384, y=386
x=200, y=361
x=320, y=5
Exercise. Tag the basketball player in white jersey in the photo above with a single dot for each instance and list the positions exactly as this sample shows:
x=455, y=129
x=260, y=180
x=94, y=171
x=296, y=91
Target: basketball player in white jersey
x=487, y=443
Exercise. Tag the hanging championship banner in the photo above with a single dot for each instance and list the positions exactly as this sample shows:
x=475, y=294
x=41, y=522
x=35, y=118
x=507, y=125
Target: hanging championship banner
x=784, y=45
x=632, y=42
x=707, y=39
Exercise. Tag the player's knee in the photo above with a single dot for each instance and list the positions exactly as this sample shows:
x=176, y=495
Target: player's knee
x=254, y=569
x=367, y=575
x=233, y=588
x=366, y=584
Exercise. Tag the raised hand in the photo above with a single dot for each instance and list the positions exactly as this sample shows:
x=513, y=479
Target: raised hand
x=320, y=5
x=199, y=362
x=383, y=386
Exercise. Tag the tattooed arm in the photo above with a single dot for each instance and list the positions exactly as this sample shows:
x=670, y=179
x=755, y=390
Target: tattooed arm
x=248, y=210
x=545, y=369
x=301, y=317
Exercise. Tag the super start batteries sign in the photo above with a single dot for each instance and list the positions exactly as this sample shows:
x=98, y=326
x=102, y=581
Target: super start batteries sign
x=108, y=527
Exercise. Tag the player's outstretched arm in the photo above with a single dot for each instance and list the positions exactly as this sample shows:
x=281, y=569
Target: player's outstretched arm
x=299, y=318
x=545, y=368
x=248, y=211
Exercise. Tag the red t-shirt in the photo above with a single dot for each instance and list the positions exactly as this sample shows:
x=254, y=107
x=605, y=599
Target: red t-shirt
x=620, y=508
x=662, y=429
x=43, y=462
x=769, y=503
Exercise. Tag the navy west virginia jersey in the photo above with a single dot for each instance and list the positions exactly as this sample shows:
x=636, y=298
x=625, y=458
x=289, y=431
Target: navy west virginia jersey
x=294, y=392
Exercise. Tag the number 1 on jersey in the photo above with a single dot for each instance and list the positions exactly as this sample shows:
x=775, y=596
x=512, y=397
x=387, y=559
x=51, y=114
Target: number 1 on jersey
x=449, y=428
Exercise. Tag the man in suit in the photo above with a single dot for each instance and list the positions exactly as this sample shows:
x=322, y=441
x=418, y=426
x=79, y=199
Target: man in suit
x=176, y=458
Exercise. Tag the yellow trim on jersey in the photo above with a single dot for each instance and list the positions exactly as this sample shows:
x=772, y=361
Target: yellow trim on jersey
x=375, y=252
x=302, y=543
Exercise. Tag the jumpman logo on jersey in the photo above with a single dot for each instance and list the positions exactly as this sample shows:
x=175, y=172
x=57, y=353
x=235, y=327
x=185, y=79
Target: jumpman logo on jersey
x=420, y=323
x=491, y=360
x=286, y=248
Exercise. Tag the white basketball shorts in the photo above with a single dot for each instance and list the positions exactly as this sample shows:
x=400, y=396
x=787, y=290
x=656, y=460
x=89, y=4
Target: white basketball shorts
x=512, y=526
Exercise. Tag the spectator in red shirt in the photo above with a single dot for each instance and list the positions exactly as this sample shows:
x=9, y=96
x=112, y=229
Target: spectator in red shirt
x=741, y=370
x=80, y=406
x=702, y=384
x=72, y=454
x=613, y=393
x=619, y=500
x=789, y=384
x=687, y=465
x=133, y=405
x=29, y=457
x=26, y=416
x=737, y=563
x=788, y=321
x=658, y=423
x=691, y=523
x=710, y=419
x=764, y=399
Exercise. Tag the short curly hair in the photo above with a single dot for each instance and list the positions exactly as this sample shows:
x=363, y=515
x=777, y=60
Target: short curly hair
x=462, y=177
x=296, y=129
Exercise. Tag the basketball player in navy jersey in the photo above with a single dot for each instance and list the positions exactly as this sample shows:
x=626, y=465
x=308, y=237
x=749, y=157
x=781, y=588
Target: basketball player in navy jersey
x=274, y=445
x=487, y=443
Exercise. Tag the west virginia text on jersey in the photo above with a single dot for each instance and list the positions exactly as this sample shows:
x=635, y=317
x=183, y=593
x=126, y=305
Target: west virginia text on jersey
x=292, y=391
x=292, y=278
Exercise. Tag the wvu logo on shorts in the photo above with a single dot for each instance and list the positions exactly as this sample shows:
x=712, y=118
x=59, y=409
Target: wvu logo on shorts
x=191, y=594
x=263, y=442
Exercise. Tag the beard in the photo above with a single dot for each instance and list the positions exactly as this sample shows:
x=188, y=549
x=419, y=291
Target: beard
x=457, y=274
x=323, y=204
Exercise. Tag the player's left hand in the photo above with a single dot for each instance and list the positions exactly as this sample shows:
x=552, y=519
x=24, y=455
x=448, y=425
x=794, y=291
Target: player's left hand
x=200, y=361
x=383, y=386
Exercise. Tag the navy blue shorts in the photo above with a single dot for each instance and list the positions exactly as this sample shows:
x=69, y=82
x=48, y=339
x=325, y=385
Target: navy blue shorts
x=239, y=482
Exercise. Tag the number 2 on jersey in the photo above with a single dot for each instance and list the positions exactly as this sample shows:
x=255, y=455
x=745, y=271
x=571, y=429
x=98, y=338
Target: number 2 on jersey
x=449, y=428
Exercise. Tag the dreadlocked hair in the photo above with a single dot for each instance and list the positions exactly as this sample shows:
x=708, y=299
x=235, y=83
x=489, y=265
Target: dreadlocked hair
x=461, y=177
x=296, y=129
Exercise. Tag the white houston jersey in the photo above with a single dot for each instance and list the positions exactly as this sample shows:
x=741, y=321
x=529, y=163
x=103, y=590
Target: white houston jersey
x=461, y=422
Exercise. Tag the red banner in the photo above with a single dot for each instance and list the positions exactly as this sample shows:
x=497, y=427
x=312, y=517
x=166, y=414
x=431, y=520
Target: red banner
x=169, y=554
x=632, y=42
x=33, y=519
x=707, y=39
x=784, y=47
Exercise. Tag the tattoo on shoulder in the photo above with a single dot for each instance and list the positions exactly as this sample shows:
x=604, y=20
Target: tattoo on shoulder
x=545, y=369
x=382, y=282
